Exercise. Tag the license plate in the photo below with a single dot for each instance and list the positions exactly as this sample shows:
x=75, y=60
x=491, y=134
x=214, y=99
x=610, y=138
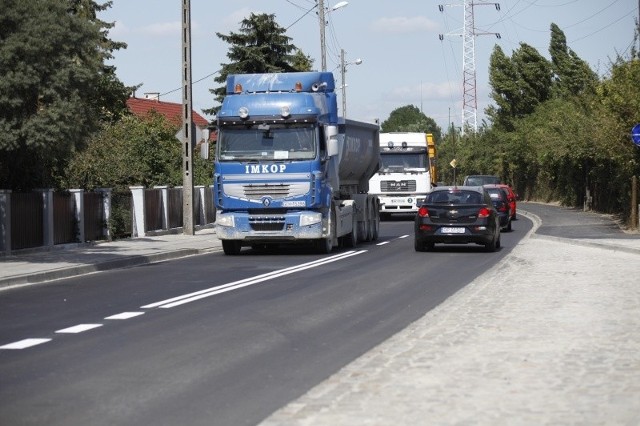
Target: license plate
x=453, y=230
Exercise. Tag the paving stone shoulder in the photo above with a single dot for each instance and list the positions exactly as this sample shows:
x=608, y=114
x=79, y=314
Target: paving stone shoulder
x=549, y=336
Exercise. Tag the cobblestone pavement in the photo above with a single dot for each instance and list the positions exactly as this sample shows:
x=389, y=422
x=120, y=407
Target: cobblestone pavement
x=549, y=336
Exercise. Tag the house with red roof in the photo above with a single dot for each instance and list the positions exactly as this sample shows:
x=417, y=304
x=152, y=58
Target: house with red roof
x=141, y=107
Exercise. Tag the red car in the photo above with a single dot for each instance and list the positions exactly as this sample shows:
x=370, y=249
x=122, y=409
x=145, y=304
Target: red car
x=512, y=197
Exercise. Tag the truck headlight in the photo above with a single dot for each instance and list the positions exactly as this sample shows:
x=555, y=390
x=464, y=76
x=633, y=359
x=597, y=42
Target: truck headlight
x=309, y=218
x=225, y=220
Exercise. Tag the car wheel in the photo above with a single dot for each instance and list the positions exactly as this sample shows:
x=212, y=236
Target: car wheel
x=499, y=243
x=509, y=226
x=418, y=246
x=492, y=245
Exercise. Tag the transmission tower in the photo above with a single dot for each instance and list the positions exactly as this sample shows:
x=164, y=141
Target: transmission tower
x=469, y=33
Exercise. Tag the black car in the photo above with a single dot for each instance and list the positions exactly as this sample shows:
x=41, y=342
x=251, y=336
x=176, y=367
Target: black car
x=457, y=215
x=500, y=199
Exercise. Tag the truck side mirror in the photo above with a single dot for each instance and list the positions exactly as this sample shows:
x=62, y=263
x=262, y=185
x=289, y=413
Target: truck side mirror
x=332, y=141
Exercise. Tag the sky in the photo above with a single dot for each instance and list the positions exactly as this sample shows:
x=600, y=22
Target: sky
x=404, y=62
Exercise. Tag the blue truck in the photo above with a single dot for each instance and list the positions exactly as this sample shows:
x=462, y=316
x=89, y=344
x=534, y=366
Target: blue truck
x=288, y=169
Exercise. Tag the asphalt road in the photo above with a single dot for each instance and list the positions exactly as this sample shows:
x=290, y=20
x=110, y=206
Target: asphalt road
x=214, y=339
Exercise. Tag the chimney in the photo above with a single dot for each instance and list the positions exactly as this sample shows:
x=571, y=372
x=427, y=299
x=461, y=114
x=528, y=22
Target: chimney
x=154, y=96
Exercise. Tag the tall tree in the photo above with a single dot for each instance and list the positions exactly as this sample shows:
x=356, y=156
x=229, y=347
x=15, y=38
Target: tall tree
x=571, y=75
x=410, y=119
x=261, y=46
x=519, y=84
x=55, y=88
x=503, y=79
x=534, y=78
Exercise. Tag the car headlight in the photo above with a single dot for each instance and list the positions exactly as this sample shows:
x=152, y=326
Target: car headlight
x=309, y=218
x=225, y=220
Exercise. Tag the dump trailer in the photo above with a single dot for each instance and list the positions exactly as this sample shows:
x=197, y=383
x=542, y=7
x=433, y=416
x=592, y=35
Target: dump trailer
x=407, y=174
x=288, y=169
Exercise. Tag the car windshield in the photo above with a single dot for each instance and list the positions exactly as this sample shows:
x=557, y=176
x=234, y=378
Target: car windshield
x=454, y=197
x=481, y=180
x=496, y=194
x=267, y=142
x=392, y=161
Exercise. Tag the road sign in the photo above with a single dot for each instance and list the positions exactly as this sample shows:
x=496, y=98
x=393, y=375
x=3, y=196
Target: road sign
x=199, y=133
x=635, y=134
x=453, y=163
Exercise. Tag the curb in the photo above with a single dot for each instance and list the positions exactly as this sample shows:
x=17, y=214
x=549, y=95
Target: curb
x=537, y=222
x=575, y=242
x=74, y=271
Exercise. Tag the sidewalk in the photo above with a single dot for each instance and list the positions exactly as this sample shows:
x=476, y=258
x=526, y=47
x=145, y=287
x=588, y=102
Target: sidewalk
x=73, y=260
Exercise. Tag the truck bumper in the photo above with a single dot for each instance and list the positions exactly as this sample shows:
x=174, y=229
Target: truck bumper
x=400, y=203
x=288, y=227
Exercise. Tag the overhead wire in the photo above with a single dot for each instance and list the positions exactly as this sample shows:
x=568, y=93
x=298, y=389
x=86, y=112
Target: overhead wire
x=217, y=71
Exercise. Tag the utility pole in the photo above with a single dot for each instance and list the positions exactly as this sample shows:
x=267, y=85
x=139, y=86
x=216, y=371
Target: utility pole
x=187, y=122
x=469, y=92
x=323, y=44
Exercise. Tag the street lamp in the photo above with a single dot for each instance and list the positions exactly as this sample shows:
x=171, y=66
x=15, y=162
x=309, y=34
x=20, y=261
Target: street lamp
x=343, y=70
x=323, y=24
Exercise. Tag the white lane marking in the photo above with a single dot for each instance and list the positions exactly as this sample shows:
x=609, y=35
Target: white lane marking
x=124, y=315
x=383, y=243
x=191, y=297
x=79, y=328
x=403, y=236
x=25, y=343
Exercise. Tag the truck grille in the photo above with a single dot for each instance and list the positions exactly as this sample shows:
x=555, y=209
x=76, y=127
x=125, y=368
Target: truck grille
x=266, y=223
x=255, y=191
x=398, y=186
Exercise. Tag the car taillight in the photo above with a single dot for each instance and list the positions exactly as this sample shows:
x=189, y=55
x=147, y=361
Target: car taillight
x=423, y=212
x=484, y=212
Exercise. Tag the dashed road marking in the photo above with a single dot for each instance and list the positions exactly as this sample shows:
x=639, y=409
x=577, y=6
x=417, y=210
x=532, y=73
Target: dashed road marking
x=79, y=328
x=124, y=315
x=23, y=344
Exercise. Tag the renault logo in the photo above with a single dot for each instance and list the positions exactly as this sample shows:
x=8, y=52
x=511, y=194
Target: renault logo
x=266, y=201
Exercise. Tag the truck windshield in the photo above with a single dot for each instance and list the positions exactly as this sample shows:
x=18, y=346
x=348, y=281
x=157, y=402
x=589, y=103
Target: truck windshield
x=267, y=142
x=403, y=161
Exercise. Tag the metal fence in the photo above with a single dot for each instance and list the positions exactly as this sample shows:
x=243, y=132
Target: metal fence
x=45, y=218
x=65, y=225
x=26, y=220
x=95, y=223
x=175, y=209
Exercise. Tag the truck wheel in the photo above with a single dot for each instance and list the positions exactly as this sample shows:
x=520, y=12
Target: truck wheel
x=231, y=247
x=323, y=245
x=375, y=226
x=351, y=239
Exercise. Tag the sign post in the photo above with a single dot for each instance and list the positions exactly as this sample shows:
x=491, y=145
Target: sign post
x=454, y=164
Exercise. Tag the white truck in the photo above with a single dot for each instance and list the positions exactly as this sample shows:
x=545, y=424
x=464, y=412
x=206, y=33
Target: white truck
x=407, y=174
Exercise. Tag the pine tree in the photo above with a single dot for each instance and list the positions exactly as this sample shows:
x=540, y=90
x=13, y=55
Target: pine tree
x=260, y=46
